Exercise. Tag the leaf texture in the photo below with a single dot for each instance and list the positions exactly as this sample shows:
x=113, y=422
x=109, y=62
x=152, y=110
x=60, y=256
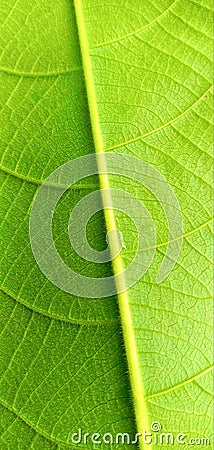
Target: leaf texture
x=64, y=361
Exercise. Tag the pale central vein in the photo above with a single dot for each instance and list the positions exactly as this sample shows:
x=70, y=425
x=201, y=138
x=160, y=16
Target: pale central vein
x=117, y=263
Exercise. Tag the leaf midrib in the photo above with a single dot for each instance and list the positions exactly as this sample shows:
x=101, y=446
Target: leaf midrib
x=117, y=263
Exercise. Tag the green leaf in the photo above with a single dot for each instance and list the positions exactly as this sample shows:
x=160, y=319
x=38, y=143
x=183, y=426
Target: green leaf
x=95, y=77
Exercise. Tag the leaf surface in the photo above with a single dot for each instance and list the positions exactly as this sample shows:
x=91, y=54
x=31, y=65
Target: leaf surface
x=148, y=69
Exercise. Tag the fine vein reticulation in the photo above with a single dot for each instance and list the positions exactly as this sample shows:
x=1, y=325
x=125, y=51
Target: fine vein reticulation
x=145, y=90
